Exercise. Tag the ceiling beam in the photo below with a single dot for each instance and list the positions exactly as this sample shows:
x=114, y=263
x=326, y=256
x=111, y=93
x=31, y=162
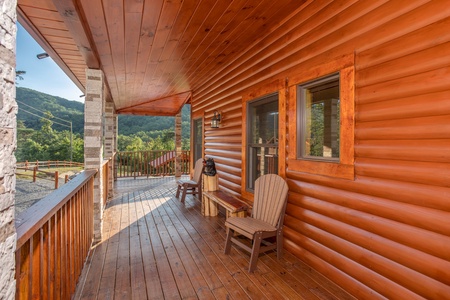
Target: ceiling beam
x=70, y=13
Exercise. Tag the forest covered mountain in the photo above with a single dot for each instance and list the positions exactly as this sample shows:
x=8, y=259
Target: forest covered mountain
x=32, y=103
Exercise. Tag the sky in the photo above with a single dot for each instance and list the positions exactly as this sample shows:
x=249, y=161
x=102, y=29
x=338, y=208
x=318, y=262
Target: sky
x=42, y=75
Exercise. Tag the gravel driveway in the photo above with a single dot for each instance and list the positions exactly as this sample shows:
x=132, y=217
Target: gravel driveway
x=29, y=192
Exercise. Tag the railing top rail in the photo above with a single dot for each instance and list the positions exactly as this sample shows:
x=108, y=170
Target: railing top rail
x=33, y=218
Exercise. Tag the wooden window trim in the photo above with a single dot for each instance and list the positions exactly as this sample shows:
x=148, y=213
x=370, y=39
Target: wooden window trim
x=345, y=168
x=250, y=95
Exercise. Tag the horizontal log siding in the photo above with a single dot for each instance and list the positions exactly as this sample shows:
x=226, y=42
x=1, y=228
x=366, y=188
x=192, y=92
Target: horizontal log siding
x=386, y=233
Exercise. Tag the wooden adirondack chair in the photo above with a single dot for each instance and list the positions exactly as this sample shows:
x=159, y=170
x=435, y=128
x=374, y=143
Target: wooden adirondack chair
x=194, y=185
x=265, y=222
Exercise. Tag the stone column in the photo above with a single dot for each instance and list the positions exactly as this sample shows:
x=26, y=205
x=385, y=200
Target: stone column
x=8, y=132
x=94, y=107
x=110, y=142
x=178, y=145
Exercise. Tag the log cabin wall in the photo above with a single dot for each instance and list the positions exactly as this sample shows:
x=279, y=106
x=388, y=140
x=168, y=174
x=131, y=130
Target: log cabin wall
x=386, y=231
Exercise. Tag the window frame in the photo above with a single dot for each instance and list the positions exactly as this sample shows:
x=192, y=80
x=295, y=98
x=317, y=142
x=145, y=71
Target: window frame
x=194, y=139
x=302, y=113
x=269, y=98
x=252, y=93
x=344, y=168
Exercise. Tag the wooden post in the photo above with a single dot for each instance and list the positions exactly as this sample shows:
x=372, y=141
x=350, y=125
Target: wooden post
x=66, y=178
x=210, y=183
x=56, y=180
x=34, y=173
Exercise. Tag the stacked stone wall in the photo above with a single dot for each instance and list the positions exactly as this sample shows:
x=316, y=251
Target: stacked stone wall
x=8, y=111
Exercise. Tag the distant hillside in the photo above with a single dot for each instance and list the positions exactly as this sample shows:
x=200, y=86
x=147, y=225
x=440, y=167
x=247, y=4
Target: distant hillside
x=28, y=99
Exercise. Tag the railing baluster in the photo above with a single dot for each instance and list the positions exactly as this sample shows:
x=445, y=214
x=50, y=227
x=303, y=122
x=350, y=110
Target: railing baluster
x=53, y=240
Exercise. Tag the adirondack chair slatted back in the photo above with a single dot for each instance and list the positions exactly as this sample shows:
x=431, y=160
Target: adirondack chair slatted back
x=198, y=170
x=270, y=198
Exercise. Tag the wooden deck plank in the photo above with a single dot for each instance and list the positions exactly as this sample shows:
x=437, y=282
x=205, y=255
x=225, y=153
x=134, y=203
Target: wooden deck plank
x=168, y=283
x=108, y=274
x=153, y=283
x=249, y=282
x=240, y=286
x=155, y=247
x=181, y=277
x=138, y=287
x=193, y=272
x=204, y=267
x=123, y=283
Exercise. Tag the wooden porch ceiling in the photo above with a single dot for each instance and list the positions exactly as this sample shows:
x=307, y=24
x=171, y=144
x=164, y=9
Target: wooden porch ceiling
x=154, y=53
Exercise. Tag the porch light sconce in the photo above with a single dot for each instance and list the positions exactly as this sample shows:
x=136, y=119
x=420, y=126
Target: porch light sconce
x=42, y=55
x=215, y=121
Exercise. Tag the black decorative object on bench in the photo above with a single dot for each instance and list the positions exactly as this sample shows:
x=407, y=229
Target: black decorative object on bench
x=210, y=167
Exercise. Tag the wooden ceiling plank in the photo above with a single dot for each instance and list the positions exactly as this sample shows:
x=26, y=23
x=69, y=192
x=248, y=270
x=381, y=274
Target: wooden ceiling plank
x=255, y=24
x=41, y=4
x=150, y=19
x=229, y=47
x=37, y=12
x=69, y=53
x=133, y=20
x=114, y=16
x=273, y=17
x=48, y=23
x=208, y=29
x=216, y=31
x=60, y=46
x=61, y=41
x=70, y=13
x=92, y=12
x=168, y=15
x=55, y=32
x=183, y=22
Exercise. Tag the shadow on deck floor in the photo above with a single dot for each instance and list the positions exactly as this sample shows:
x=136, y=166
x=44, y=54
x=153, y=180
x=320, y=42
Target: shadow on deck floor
x=155, y=247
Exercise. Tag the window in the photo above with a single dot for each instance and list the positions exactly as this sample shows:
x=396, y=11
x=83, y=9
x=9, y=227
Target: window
x=321, y=140
x=197, y=137
x=318, y=123
x=262, y=138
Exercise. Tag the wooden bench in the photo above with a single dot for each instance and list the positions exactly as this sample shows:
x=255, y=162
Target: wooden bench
x=235, y=206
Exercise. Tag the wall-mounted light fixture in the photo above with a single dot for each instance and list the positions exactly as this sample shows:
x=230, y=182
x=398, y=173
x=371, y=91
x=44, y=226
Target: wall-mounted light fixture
x=42, y=55
x=215, y=121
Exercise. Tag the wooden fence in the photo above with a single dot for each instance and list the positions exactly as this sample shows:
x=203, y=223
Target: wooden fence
x=54, y=176
x=53, y=240
x=29, y=165
x=149, y=163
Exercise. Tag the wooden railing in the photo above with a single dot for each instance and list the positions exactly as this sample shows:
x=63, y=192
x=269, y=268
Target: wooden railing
x=53, y=240
x=149, y=163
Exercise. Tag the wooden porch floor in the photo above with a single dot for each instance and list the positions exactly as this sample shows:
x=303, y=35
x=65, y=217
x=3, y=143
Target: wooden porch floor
x=155, y=247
